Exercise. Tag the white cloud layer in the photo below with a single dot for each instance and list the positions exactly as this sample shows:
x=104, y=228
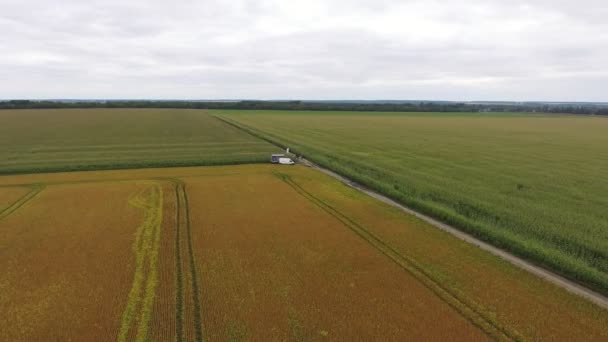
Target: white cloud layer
x=314, y=49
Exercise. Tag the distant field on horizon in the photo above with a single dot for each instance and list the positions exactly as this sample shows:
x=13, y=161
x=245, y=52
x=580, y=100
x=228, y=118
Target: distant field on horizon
x=533, y=184
x=90, y=139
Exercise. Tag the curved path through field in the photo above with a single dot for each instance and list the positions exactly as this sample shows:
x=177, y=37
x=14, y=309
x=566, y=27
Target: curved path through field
x=552, y=277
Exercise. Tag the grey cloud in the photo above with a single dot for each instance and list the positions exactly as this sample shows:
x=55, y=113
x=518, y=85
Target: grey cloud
x=468, y=49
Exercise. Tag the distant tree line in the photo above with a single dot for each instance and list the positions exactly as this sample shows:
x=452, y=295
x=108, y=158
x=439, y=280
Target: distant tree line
x=390, y=106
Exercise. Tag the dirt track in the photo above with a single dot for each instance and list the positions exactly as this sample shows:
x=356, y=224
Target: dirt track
x=550, y=276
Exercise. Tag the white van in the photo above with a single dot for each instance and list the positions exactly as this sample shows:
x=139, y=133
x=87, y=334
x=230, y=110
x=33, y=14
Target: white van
x=286, y=161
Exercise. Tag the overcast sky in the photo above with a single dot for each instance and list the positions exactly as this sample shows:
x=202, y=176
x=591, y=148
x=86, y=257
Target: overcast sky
x=553, y=50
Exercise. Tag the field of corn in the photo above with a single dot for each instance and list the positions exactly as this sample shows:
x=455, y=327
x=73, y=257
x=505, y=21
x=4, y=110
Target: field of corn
x=93, y=139
x=252, y=252
x=532, y=184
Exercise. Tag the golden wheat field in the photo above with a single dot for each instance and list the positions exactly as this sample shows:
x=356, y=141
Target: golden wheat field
x=252, y=252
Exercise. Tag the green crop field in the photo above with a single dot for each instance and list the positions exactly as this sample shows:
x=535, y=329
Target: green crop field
x=88, y=139
x=535, y=185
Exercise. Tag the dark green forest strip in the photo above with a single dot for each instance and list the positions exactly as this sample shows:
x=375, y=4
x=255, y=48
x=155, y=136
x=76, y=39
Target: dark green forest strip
x=368, y=106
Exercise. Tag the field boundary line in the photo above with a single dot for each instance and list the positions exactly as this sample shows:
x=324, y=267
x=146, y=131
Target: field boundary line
x=553, y=277
x=145, y=165
x=470, y=311
x=135, y=179
x=35, y=190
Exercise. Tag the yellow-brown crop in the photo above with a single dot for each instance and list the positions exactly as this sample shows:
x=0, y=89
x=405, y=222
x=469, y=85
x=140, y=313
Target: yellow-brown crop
x=253, y=252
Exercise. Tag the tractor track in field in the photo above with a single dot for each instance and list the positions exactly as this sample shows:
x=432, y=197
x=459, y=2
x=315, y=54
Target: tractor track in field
x=179, y=280
x=35, y=190
x=471, y=311
x=550, y=276
x=185, y=259
x=183, y=233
